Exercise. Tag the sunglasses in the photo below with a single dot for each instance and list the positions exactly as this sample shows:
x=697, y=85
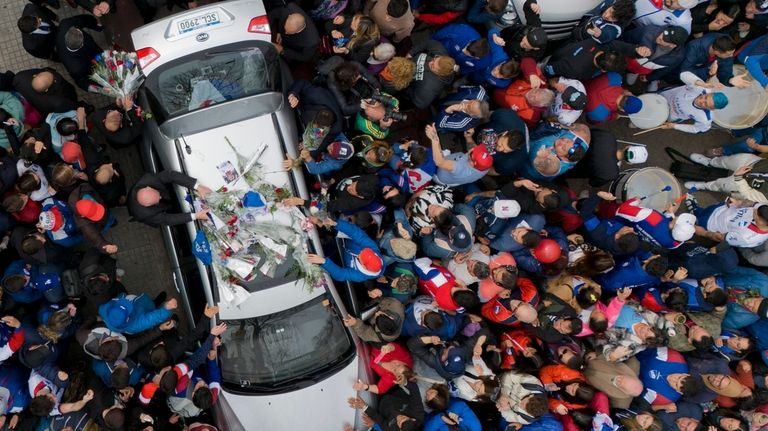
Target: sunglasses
x=577, y=143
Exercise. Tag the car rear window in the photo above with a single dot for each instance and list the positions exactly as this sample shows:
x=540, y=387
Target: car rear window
x=216, y=76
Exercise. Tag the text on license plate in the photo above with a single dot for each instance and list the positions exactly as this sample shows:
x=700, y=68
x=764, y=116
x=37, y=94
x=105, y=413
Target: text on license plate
x=205, y=20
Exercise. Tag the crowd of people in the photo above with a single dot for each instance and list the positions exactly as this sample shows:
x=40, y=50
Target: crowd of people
x=446, y=133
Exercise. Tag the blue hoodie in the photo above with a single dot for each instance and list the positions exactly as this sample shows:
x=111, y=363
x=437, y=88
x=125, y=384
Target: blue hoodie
x=356, y=241
x=37, y=285
x=455, y=37
x=130, y=314
x=68, y=235
x=468, y=420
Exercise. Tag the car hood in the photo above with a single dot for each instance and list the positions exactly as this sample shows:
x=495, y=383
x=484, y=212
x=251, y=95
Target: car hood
x=318, y=406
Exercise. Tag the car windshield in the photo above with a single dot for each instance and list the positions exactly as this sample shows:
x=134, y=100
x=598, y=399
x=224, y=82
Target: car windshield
x=204, y=79
x=277, y=351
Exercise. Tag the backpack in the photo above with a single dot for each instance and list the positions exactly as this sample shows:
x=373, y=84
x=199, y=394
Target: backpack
x=684, y=168
x=70, y=281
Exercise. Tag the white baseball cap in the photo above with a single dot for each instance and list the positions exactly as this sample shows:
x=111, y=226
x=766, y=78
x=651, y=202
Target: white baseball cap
x=506, y=208
x=687, y=4
x=635, y=154
x=685, y=227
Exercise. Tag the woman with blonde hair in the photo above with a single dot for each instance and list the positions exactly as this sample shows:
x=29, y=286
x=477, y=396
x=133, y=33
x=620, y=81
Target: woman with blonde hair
x=397, y=74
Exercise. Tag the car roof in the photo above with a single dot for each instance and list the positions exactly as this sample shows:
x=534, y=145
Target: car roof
x=165, y=38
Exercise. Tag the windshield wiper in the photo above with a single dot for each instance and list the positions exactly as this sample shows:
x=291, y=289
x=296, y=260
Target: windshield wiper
x=231, y=51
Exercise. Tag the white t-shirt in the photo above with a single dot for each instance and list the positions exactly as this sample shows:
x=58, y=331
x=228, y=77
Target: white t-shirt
x=647, y=12
x=460, y=271
x=737, y=225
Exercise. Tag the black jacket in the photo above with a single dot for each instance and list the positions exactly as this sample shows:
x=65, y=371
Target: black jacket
x=60, y=97
x=397, y=401
x=130, y=129
x=40, y=45
x=577, y=60
x=299, y=47
x=93, y=231
x=312, y=99
x=159, y=214
x=78, y=63
x=426, y=86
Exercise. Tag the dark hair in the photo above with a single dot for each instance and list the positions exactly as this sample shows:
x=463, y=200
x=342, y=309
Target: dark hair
x=346, y=74
x=440, y=402
x=587, y=297
x=466, y=299
x=593, y=262
x=762, y=211
x=433, y=320
x=417, y=155
x=115, y=418
x=611, y=61
x=202, y=398
x=478, y=48
x=396, y=201
x=386, y=325
x=27, y=24
x=14, y=283
x=677, y=300
x=582, y=418
x=406, y=283
x=584, y=393
x=490, y=385
x=691, y=386
x=31, y=244
x=537, y=406
x=325, y=117
x=598, y=326
x=628, y=243
x=732, y=11
x=657, y=266
x=576, y=325
x=716, y=298
x=397, y=8
x=28, y=182
x=531, y=239
x=482, y=270
x=120, y=377
x=551, y=201
x=41, y=405
x=159, y=356
x=508, y=280
x=730, y=414
x=97, y=283
x=169, y=381
x=509, y=69
x=704, y=344
x=723, y=44
x=66, y=126
x=575, y=362
x=496, y=6
x=624, y=10
x=110, y=350
x=14, y=202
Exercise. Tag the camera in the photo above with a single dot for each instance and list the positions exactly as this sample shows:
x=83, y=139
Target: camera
x=389, y=105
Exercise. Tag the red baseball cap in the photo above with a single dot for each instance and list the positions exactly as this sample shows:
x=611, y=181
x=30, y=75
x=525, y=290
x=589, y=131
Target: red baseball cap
x=370, y=260
x=481, y=158
x=90, y=209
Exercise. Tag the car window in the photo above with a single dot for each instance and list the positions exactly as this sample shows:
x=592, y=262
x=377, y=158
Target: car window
x=277, y=351
x=205, y=79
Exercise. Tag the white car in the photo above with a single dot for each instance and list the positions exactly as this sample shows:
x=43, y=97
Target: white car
x=213, y=82
x=558, y=17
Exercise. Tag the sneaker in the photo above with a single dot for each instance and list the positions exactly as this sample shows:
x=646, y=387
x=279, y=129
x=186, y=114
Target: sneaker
x=693, y=186
x=653, y=86
x=700, y=159
x=714, y=152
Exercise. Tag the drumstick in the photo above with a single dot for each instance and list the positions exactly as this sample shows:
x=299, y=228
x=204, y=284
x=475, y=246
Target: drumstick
x=665, y=189
x=648, y=130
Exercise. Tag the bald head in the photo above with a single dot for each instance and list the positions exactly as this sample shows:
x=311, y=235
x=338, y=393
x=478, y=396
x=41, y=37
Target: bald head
x=631, y=386
x=526, y=313
x=147, y=197
x=295, y=23
x=42, y=81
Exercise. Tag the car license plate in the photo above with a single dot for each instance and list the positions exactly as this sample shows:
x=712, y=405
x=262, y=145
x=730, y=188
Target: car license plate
x=190, y=24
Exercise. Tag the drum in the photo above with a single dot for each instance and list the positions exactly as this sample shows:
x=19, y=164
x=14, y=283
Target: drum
x=644, y=182
x=746, y=106
x=654, y=113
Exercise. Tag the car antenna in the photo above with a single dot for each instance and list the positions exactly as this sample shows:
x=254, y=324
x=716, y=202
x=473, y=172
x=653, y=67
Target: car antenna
x=186, y=145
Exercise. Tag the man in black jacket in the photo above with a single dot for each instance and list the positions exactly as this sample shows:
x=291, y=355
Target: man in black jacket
x=310, y=99
x=150, y=200
x=587, y=59
x=46, y=90
x=400, y=409
x=119, y=122
x=38, y=31
x=295, y=36
x=76, y=48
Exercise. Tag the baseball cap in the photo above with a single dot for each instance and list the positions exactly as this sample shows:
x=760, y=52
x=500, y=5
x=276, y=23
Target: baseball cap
x=370, y=261
x=90, y=209
x=635, y=154
x=687, y=4
x=537, y=37
x=674, y=34
x=506, y=208
x=633, y=105
x=684, y=228
x=454, y=363
x=51, y=219
x=762, y=5
x=574, y=98
x=71, y=152
x=481, y=157
x=341, y=150
x=547, y=251
x=459, y=238
x=720, y=100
